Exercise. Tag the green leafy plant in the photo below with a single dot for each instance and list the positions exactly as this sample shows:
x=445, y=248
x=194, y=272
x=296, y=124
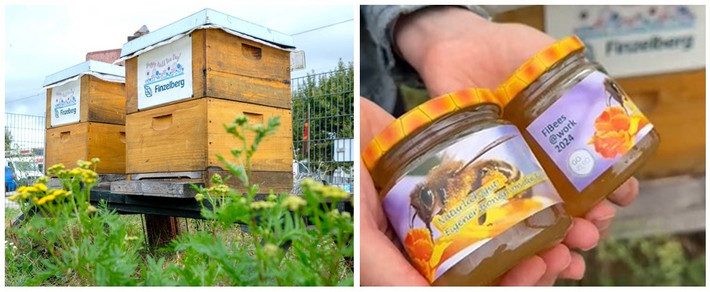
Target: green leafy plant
x=649, y=261
x=279, y=248
x=76, y=242
x=289, y=240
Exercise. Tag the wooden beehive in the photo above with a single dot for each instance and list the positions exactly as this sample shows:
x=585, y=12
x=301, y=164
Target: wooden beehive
x=86, y=116
x=180, y=92
x=229, y=67
x=187, y=136
x=87, y=140
x=102, y=101
x=96, y=99
x=231, y=59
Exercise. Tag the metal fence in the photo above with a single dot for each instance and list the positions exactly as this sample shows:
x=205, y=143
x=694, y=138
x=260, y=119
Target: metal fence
x=323, y=127
x=24, y=146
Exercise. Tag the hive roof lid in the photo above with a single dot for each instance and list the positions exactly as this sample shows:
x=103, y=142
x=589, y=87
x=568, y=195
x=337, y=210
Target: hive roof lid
x=90, y=66
x=208, y=17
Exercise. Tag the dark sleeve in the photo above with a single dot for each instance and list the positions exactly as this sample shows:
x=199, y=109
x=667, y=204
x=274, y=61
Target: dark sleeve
x=379, y=21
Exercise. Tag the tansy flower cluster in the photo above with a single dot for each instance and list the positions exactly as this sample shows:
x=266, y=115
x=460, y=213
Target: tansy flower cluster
x=258, y=205
x=83, y=172
x=293, y=203
x=38, y=194
x=330, y=193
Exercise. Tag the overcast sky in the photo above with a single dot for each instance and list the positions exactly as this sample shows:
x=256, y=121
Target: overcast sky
x=41, y=40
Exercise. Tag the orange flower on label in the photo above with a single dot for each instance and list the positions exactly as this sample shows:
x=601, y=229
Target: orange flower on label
x=616, y=131
x=420, y=247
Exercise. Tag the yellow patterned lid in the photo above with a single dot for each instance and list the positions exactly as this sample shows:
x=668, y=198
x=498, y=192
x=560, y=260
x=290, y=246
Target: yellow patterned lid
x=421, y=116
x=536, y=66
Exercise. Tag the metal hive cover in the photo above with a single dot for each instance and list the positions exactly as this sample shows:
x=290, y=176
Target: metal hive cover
x=203, y=18
x=90, y=66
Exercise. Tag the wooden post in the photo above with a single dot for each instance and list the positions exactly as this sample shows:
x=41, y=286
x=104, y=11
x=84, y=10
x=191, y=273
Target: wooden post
x=161, y=229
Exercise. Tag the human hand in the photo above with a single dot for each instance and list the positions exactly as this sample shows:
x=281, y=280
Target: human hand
x=453, y=48
x=383, y=263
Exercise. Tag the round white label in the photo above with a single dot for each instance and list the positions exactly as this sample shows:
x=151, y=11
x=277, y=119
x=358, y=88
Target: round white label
x=581, y=162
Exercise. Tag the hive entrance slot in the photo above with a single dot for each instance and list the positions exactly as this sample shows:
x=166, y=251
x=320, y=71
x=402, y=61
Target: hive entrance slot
x=64, y=136
x=251, y=52
x=162, y=122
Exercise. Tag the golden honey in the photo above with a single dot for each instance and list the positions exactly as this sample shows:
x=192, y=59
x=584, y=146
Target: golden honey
x=585, y=131
x=464, y=193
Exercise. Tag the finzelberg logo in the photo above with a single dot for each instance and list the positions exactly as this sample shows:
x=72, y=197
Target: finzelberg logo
x=65, y=103
x=646, y=22
x=157, y=72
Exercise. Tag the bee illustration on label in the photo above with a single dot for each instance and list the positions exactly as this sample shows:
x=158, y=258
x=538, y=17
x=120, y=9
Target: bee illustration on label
x=148, y=91
x=452, y=181
x=616, y=94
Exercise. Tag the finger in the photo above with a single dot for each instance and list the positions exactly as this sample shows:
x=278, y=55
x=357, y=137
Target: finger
x=556, y=259
x=382, y=264
x=626, y=193
x=601, y=215
x=576, y=268
x=371, y=213
x=583, y=235
x=373, y=119
x=525, y=273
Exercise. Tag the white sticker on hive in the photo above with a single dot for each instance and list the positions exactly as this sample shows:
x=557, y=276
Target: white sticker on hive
x=165, y=74
x=66, y=101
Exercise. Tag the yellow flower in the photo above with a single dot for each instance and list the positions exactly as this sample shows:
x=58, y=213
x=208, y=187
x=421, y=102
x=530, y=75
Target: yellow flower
x=294, y=203
x=43, y=179
x=14, y=197
x=83, y=164
x=41, y=187
x=334, y=193
x=74, y=172
x=22, y=189
x=34, y=200
x=95, y=160
x=55, y=168
x=91, y=209
x=271, y=249
x=58, y=192
x=89, y=180
x=45, y=199
x=262, y=205
x=199, y=197
x=334, y=213
x=311, y=185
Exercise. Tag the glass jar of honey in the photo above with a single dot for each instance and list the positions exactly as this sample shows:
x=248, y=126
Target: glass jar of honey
x=585, y=131
x=462, y=190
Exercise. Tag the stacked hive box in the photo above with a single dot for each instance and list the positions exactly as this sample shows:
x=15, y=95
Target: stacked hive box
x=86, y=116
x=187, y=79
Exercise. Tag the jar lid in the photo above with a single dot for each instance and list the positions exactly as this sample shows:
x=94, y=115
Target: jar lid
x=423, y=115
x=536, y=66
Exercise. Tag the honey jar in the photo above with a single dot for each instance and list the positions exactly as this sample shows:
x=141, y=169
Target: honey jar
x=462, y=190
x=585, y=131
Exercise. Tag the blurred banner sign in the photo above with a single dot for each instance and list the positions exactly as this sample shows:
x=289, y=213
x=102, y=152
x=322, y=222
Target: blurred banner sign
x=635, y=40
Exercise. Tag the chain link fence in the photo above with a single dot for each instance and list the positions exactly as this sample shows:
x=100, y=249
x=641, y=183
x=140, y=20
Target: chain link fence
x=24, y=149
x=323, y=127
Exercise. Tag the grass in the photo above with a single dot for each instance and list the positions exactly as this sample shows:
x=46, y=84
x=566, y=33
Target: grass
x=18, y=264
x=670, y=260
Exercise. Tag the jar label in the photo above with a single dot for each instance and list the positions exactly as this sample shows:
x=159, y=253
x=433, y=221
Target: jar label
x=589, y=129
x=455, y=200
